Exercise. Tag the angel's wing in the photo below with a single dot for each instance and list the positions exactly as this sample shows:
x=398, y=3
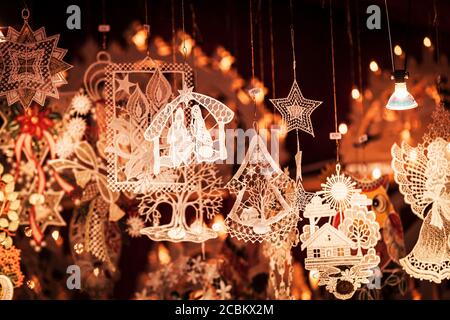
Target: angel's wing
x=409, y=165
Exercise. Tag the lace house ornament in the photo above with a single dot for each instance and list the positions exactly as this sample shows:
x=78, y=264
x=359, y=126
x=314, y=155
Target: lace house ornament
x=31, y=65
x=200, y=197
x=265, y=207
x=423, y=176
x=342, y=257
x=135, y=92
x=189, y=129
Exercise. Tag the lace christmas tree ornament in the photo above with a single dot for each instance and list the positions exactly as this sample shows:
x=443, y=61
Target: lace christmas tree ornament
x=181, y=133
x=31, y=65
x=265, y=207
x=135, y=92
x=423, y=176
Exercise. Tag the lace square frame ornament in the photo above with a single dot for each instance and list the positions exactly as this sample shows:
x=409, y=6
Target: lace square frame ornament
x=134, y=93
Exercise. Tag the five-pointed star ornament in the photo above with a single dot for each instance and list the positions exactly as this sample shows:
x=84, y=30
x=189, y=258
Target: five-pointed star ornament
x=124, y=84
x=31, y=66
x=296, y=110
x=46, y=213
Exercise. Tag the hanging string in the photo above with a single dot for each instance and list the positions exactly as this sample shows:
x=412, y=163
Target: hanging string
x=147, y=28
x=261, y=42
x=390, y=37
x=272, y=54
x=253, y=90
x=334, y=79
x=104, y=23
x=348, y=17
x=184, y=33
x=294, y=61
x=407, y=35
x=358, y=46
x=174, y=54
x=195, y=39
x=436, y=26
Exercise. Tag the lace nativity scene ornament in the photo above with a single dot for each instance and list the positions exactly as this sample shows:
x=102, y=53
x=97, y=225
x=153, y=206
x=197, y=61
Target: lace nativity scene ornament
x=342, y=257
x=423, y=175
x=199, y=197
x=189, y=129
x=135, y=92
x=31, y=65
x=265, y=207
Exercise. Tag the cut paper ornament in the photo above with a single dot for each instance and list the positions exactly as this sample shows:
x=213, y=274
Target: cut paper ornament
x=265, y=207
x=31, y=65
x=200, y=195
x=423, y=176
x=181, y=134
x=135, y=92
x=343, y=257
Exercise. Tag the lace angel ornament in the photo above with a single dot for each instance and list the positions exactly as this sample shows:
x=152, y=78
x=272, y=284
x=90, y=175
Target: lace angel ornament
x=423, y=175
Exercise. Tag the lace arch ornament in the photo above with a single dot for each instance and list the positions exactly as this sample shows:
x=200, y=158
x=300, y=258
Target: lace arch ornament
x=181, y=135
x=343, y=258
x=423, y=176
x=31, y=65
x=135, y=92
x=265, y=208
x=200, y=195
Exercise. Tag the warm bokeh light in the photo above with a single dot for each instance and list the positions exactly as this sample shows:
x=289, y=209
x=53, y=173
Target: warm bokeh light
x=314, y=279
x=398, y=50
x=427, y=42
x=376, y=173
x=355, y=94
x=373, y=66
x=162, y=47
x=186, y=45
x=55, y=235
x=405, y=134
x=163, y=254
x=140, y=39
x=343, y=129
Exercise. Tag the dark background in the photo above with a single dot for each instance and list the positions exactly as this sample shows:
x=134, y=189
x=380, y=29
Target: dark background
x=226, y=23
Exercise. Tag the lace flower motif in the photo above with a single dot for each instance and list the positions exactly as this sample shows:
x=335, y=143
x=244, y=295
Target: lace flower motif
x=81, y=104
x=76, y=128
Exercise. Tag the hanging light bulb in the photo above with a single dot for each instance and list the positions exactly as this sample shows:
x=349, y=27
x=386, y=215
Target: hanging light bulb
x=401, y=99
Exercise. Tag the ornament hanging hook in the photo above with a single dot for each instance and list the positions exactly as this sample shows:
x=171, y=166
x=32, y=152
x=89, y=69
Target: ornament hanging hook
x=25, y=14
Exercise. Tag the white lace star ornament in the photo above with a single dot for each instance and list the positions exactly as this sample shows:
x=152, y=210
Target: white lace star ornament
x=296, y=110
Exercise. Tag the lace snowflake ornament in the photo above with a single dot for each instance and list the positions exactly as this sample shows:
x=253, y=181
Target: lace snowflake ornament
x=423, y=176
x=135, y=92
x=31, y=65
x=296, y=110
x=265, y=207
x=181, y=135
x=342, y=256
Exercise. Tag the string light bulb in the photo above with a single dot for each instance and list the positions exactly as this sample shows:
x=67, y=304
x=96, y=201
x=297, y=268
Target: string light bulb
x=398, y=50
x=427, y=42
x=343, y=128
x=355, y=94
x=373, y=66
x=401, y=99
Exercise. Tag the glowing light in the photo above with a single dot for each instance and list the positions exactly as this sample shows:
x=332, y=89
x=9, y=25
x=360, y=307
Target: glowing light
x=373, y=66
x=314, y=279
x=405, y=134
x=162, y=47
x=398, y=50
x=55, y=235
x=31, y=284
x=186, y=46
x=78, y=247
x=355, y=94
x=401, y=99
x=376, y=173
x=343, y=129
x=96, y=272
x=140, y=39
x=163, y=254
x=28, y=232
x=427, y=42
